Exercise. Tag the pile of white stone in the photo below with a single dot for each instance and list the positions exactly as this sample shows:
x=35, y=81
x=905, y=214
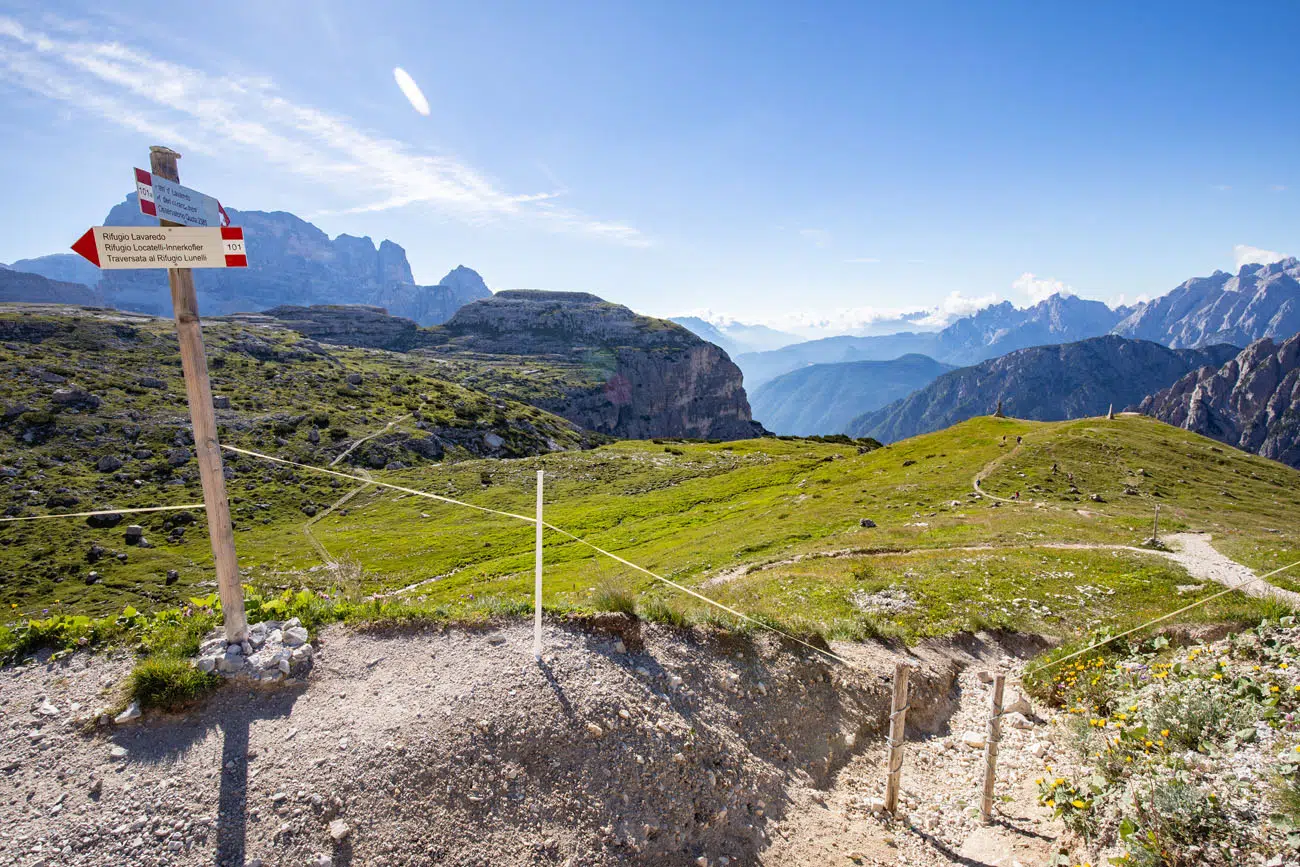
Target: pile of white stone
x=273, y=652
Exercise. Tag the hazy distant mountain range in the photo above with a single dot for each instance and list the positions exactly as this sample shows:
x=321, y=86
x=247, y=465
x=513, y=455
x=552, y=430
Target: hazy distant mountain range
x=1046, y=383
x=737, y=337
x=290, y=262
x=825, y=398
x=995, y=330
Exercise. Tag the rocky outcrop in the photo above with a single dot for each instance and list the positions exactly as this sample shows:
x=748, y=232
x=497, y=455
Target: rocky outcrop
x=1251, y=402
x=1046, y=383
x=28, y=287
x=347, y=324
x=290, y=262
x=1260, y=301
x=640, y=376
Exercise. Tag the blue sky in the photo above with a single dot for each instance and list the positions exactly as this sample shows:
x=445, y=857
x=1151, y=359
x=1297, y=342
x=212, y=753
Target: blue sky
x=769, y=162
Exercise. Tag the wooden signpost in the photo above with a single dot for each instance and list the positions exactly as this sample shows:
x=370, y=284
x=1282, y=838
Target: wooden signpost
x=200, y=245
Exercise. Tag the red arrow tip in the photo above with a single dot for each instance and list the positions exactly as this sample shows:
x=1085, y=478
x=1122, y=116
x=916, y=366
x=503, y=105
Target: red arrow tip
x=86, y=248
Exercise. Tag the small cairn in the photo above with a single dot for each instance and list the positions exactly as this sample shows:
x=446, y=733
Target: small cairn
x=273, y=652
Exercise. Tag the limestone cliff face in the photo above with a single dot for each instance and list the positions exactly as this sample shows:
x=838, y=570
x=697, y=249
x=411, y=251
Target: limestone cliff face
x=639, y=376
x=1251, y=402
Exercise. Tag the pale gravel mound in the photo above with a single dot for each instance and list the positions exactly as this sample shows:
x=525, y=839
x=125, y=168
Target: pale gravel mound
x=451, y=747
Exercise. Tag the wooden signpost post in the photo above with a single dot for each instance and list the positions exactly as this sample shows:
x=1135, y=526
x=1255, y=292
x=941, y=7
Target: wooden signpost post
x=202, y=245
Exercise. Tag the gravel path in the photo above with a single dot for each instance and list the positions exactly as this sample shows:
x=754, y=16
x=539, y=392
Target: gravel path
x=938, y=821
x=1194, y=553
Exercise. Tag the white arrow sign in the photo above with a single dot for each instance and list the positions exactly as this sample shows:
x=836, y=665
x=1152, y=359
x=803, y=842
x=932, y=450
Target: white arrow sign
x=168, y=200
x=163, y=247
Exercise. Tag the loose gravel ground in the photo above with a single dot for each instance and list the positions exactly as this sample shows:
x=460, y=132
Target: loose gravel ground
x=629, y=744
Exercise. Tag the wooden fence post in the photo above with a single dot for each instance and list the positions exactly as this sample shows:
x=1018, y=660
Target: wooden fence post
x=897, y=728
x=991, y=740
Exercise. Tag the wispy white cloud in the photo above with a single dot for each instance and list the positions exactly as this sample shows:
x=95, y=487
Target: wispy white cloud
x=1278, y=188
x=817, y=237
x=201, y=112
x=411, y=90
x=863, y=260
x=1248, y=255
x=1039, y=288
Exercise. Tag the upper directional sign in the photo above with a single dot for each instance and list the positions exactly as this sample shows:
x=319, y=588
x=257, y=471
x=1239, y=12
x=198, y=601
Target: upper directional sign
x=168, y=200
x=163, y=247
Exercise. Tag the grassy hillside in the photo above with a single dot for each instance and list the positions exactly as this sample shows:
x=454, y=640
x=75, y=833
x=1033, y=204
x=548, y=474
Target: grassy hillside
x=698, y=512
x=93, y=415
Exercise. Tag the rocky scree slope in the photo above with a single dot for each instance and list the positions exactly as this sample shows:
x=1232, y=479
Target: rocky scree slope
x=94, y=416
x=1044, y=383
x=629, y=744
x=825, y=398
x=1259, y=301
x=625, y=375
x=290, y=262
x=1251, y=402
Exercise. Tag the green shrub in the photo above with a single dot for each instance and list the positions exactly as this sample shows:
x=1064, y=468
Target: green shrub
x=611, y=595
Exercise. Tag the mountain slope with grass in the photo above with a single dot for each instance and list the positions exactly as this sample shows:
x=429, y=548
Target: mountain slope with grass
x=1044, y=382
x=94, y=416
x=825, y=398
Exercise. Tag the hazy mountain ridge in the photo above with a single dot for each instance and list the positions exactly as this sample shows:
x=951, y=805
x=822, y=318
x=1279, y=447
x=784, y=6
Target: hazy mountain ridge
x=291, y=262
x=826, y=398
x=1251, y=402
x=736, y=337
x=1044, y=383
x=992, y=331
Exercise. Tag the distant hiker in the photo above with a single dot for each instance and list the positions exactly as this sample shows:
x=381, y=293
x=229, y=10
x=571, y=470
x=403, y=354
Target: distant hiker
x=1019, y=440
x=1054, y=468
x=1004, y=439
x=1016, y=495
x=1070, y=476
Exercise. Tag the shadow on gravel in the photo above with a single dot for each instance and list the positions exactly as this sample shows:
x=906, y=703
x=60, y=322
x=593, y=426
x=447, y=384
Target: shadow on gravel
x=232, y=710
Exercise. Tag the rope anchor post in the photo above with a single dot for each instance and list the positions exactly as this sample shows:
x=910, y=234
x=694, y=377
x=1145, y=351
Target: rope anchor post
x=991, y=740
x=897, y=729
x=537, y=576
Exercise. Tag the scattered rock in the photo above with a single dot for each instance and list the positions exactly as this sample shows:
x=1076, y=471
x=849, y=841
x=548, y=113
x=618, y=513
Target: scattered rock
x=118, y=752
x=220, y=402
x=131, y=713
x=339, y=830
x=974, y=740
x=594, y=730
x=866, y=522
x=108, y=464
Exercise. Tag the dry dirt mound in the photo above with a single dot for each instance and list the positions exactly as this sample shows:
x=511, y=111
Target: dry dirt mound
x=454, y=747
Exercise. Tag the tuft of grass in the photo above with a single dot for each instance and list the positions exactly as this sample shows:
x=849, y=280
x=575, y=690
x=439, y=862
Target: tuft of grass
x=658, y=610
x=614, y=595
x=168, y=683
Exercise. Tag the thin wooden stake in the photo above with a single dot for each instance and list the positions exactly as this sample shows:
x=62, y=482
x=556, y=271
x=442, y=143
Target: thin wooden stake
x=897, y=728
x=991, y=740
x=537, y=577
x=185, y=307
x=1155, y=526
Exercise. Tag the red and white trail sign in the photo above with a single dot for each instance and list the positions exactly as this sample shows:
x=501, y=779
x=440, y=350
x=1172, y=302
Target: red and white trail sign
x=168, y=200
x=163, y=247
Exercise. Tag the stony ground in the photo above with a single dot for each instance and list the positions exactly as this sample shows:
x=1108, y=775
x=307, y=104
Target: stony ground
x=626, y=745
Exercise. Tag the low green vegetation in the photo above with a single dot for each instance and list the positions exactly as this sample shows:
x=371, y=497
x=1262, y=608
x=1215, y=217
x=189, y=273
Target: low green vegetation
x=829, y=536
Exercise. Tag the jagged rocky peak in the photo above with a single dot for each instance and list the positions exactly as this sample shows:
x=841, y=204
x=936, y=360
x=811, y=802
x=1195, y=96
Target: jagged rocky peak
x=466, y=282
x=1251, y=402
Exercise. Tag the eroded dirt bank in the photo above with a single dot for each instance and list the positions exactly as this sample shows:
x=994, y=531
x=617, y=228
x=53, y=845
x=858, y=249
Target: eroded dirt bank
x=628, y=745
